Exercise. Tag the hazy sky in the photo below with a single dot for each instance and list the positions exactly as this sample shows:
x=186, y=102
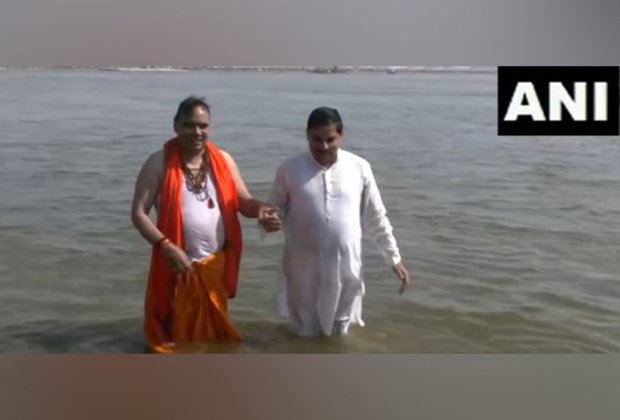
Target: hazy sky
x=320, y=32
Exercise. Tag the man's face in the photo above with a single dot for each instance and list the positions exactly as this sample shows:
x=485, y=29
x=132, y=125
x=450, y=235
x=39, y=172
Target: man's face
x=324, y=143
x=194, y=130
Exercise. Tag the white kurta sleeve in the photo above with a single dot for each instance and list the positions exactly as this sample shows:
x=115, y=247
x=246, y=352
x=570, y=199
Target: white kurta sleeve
x=279, y=193
x=375, y=221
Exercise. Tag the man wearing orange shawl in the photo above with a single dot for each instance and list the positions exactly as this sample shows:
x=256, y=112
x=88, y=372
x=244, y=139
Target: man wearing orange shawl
x=197, y=241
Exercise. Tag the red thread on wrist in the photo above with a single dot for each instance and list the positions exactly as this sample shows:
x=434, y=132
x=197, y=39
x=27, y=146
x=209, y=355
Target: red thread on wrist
x=163, y=241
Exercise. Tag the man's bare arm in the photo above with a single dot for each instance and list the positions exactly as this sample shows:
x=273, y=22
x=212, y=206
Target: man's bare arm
x=146, y=191
x=248, y=206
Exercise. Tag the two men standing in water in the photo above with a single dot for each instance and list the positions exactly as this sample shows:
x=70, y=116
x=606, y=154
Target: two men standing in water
x=323, y=198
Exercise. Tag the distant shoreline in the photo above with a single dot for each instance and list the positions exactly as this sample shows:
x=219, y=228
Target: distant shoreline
x=266, y=69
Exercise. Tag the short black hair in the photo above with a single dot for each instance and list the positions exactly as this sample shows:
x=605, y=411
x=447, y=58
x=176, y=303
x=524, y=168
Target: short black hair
x=323, y=116
x=187, y=106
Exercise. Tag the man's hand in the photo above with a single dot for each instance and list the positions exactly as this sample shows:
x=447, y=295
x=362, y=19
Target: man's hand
x=180, y=265
x=403, y=274
x=268, y=219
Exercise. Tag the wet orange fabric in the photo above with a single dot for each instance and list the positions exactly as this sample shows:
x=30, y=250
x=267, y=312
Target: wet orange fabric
x=199, y=312
x=160, y=300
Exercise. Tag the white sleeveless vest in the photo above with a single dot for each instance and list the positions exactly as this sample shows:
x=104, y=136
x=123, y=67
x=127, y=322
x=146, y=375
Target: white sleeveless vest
x=203, y=227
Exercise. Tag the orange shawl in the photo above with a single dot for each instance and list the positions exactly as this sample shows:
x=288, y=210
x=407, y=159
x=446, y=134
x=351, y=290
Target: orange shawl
x=161, y=283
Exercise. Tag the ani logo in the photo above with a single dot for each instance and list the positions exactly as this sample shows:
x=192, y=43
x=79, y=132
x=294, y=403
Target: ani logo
x=558, y=101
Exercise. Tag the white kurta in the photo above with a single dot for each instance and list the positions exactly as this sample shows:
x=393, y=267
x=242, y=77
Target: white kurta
x=324, y=211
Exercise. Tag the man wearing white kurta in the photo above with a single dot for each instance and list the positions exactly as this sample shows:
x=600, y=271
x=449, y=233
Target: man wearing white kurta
x=326, y=196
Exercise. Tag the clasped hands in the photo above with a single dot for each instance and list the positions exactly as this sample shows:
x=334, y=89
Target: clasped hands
x=269, y=219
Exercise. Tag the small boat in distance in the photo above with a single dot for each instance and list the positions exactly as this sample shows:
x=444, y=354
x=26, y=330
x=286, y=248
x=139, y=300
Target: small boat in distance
x=327, y=70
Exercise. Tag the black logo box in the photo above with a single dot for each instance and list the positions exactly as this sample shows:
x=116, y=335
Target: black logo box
x=508, y=77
